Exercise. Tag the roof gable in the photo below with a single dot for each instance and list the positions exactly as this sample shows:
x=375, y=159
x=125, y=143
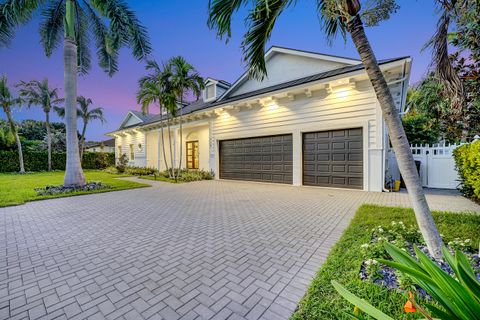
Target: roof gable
x=285, y=65
x=131, y=119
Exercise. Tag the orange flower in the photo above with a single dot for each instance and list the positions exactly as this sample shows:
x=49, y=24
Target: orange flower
x=409, y=306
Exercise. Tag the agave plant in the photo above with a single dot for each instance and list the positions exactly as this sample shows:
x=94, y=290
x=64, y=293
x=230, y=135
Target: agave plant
x=459, y=296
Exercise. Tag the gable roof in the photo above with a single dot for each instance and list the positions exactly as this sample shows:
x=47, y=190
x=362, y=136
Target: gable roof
x=201, y=105
x=140, y=116
x=294, y=52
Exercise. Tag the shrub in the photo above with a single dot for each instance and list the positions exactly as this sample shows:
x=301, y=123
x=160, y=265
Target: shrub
x=122, y=163
x=37, y=160
x=467, y=161
x=140, y=171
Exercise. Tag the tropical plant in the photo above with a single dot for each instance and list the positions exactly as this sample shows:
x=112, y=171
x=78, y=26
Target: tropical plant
x=78, y=21
x=8, y=101
x=87, y=115
x=337, y=16
x=39, y=93
x=463, y=14
x=458, y=296
x=184, y=80
x=7, y=139
x=156, y=88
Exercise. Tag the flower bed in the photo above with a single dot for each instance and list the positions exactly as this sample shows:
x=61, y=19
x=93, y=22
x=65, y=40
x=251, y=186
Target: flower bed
x=345, y=260
x=405, y=237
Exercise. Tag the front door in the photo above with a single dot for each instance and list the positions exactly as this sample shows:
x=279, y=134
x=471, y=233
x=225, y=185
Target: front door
x=192, y=154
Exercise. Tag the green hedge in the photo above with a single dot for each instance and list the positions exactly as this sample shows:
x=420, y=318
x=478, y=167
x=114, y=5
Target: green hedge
x=37, y=161
x=467, y=160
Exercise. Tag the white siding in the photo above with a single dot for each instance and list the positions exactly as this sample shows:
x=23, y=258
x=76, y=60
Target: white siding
x=322, y=111
x=285, y=67
x=134, y=138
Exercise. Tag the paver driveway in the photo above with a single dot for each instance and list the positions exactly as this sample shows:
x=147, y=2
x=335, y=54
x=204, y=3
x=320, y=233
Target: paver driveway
x=212, y=249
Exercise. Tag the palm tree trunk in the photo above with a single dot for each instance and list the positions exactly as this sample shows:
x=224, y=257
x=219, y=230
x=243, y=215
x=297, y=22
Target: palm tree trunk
x=163, y=140
x=17, y=139
x=73, y=173
x=82, y=139
x=398, y=138
x=181, y=138
x=171, y=174
x=49, y=140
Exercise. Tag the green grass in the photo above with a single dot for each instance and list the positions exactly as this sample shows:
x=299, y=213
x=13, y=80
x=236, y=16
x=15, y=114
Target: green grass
x=164, y=179
x=344, y=261
x=16, y=189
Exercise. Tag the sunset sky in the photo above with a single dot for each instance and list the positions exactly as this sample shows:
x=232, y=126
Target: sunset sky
x=179, y=28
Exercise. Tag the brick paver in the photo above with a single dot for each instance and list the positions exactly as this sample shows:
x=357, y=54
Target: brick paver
x=203, y=250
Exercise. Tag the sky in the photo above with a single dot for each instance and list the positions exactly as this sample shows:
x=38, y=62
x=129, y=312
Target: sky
x=179, y=28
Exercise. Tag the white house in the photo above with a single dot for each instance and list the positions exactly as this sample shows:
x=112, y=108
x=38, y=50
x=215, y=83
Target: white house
x=102, y=146
x=314, y=121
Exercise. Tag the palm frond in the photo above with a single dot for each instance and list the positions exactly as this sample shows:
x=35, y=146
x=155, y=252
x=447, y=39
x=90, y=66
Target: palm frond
x=441, y=61
x=14, y=13
x=220, y=15
x=83, y=40
x=330, y=20
x=51, y=27
x=260, y=22
x=107, y=55
x=60, y=111
x=125, y=28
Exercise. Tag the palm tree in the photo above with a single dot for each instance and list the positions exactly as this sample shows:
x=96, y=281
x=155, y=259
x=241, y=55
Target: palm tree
x=78, y=21
x=451, y=10
x=7, y=101
x=87, y=115
x=155, y=88
x=184, y=79
x=336, y=16
x=39, y=93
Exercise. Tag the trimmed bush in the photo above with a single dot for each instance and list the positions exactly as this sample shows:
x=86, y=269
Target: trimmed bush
x=37, y=160
x=467, y=161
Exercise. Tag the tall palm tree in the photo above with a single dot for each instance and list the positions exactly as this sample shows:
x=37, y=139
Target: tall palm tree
x=87, y=115
x=78, y=21
x=451, y=11
x=156, y=88
x=7, y=101
x=185, y=79
x=39, y=93
x=336, y=16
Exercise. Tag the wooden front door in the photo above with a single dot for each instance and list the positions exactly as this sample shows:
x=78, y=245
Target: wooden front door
x=192, y=154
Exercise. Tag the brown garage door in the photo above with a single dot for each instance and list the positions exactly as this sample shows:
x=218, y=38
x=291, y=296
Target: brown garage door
x=333, y=158
x=267, y=159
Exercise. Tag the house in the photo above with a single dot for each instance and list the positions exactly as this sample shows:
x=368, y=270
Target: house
x=314, y=120
x=103, y=146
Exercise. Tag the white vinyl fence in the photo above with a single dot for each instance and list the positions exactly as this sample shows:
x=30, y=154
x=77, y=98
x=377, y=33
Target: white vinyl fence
x=437, y=169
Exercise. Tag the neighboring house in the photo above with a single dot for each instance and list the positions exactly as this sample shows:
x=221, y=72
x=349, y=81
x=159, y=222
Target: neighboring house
x=314, y=120
x=103, y=146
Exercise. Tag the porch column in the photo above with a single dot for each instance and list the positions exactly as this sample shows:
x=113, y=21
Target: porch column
x=212, y=145
x=297, y=158
x=159, y=151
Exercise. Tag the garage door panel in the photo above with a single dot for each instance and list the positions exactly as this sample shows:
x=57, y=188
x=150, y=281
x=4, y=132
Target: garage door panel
x=336, y=160
x=267, y=159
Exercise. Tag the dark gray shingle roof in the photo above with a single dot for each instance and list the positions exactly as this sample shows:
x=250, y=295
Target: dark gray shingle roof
x=200, y=105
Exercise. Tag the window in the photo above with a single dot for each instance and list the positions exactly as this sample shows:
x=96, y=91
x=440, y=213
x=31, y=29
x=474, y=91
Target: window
x=132, y=152
x=210, y=92
x=192, y=154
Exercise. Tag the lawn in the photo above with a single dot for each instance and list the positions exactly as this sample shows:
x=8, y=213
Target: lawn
x=19, y=188
x=344, y=261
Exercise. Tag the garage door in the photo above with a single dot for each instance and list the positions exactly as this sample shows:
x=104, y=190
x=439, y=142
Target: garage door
x=267, y=159
x=333, y=158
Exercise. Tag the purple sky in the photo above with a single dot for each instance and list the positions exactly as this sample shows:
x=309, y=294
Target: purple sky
x=176, y=28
